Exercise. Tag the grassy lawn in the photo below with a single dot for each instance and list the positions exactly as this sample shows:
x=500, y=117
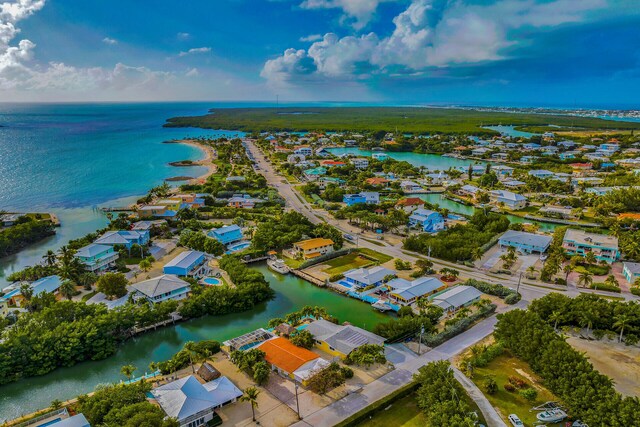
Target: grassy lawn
x=500, y=369
x=374, y=242
x=381, y=258
x=293, y=263
x=403, y=412
x=345, y=263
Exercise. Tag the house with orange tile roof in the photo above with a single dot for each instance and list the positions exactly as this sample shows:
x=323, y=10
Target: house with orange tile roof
x=313, y=248
x=409, y=204
x=292, y=361
x=377, y=181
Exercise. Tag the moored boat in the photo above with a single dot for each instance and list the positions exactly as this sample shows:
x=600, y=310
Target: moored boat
x=278, y=265
x=552, y=416
x=381, y=305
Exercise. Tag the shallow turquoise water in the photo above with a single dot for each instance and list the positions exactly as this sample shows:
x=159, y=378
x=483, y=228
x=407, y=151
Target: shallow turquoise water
x=429, y=161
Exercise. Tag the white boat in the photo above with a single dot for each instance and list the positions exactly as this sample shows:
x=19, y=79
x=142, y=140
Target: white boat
x=381, y=305
x=552, y=416
x=278, y=265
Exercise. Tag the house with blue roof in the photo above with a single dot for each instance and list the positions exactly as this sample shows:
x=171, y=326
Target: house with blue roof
x=353, y=199
x=363, y=277
x=315, y=173
x=97, y=258
x=227, y=234
x=49, y=284
x=430, y=221
x=541, y=173
x=188, y=263
x=126, y=238
x=192, y=403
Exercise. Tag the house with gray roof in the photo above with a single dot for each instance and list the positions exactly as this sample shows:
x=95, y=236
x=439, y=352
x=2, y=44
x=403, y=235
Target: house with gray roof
x=78, y=420
x=407, y=292
x=525, y=242
x=193, y=403
x=631, y=271
x=362, y=277
x=340, y=340
x=456, y=298
x=97, y=258
x=162, y=288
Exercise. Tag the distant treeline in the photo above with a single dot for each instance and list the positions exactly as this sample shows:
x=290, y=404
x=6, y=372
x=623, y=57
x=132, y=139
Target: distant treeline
x=372, y=119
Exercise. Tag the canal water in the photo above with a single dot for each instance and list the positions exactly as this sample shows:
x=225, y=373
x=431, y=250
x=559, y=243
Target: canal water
x=292, y=293
x=429, y=161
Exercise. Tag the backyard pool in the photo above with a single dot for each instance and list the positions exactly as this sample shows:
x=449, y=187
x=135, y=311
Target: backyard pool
x=211, y=281
x=237, y=247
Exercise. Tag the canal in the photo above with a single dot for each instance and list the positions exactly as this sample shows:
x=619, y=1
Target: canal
x=292, y=293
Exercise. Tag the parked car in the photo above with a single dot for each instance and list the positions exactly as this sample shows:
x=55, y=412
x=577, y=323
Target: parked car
x=515, y=421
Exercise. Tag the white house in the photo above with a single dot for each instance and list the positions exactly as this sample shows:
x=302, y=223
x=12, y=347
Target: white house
x=360, y=162
x=510, y=199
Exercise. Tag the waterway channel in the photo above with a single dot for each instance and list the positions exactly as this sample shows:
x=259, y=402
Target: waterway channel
x=292, y=293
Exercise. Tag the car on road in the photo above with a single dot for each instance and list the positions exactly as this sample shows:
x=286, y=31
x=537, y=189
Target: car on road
x=349, y=237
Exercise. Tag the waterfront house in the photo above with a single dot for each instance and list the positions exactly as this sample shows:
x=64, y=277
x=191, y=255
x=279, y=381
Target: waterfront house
x=289, y=360
x=192, y=403
x=457, y=297
x=380, y=156
x=363, y=277
x=502, y=170
x=173, y=204
x=531, y=146
x=360, y=162
x=508, y=198
x=541, y=173
x=341, y=340
x=479, y=152
x=315, y=173
x=78, y=420
x=162, y=288
x=353, y=199
x=525, y=242
x=436, y=178
x=155, y=211
x=469, y=190
x=13, y=296
x=126, y=238
x=313, y=248
x=187, y=263
x=557, y=212
x=192, y=200
x=147, y=225
x=631, y=271
x=410, y=186
x=97, y=258
x=226, y=234
x=409, y=204
x=500, y=156
x=604, y=247
x=304, y=150
x=406, y=292
x=429, y=221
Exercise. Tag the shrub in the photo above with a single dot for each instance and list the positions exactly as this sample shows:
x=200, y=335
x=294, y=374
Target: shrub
x=347, y=372
x=518, y=382
x=336, y=277
x=529, y=393
x=635, y=290
x=605, y=287
x=512, y=298
x=458, y=327
x=490, y=386
x=508, y=387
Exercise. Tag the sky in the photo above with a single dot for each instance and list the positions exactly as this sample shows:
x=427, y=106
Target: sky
x=472, y=52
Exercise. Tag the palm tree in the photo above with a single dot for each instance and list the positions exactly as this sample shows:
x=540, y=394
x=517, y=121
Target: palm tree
x=127, y=371
x=621, y=321
x=568, y=269
x=586, y=319
x=67, y=289
x=195, y=354
x=145, y=265
x=251, y=395
x=50, y=258
x=423, y=304
x=531, y=271
x=555, y=317
x=590, y=258
x=585, y=279
x=476, y=253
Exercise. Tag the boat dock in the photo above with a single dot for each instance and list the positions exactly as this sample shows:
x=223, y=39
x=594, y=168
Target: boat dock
x=301, y=274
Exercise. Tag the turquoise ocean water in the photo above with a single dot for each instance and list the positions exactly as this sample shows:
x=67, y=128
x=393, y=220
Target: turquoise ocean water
x=73, y=158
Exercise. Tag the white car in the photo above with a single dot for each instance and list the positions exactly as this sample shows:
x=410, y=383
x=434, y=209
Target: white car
x=515, y=421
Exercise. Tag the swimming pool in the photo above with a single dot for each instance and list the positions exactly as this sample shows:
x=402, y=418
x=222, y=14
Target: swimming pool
x=211, y=281
x=237, y=247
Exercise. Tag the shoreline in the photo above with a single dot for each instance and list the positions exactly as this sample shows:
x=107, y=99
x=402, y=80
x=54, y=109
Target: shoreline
x=205, y=162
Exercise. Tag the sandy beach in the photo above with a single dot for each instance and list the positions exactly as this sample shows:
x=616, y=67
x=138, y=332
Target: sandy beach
x=206, y=161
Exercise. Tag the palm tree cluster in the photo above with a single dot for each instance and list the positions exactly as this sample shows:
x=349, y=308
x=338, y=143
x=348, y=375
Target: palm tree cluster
x=509, y=258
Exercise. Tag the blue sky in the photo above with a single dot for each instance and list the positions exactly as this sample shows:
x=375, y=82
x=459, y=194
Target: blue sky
x=511, y=52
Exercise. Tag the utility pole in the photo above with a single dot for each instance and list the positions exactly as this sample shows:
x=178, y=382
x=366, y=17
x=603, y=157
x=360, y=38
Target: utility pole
x=420, y=341
x=519, y=280
x=295, y=383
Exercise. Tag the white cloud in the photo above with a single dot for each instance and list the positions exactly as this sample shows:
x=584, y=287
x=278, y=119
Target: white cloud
x=192, y=73
x=195, y=50
x=183, y=36
x=360, y=12
x=293, y=63
x=311, y=38
x=429, y=34
x=110, y=41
